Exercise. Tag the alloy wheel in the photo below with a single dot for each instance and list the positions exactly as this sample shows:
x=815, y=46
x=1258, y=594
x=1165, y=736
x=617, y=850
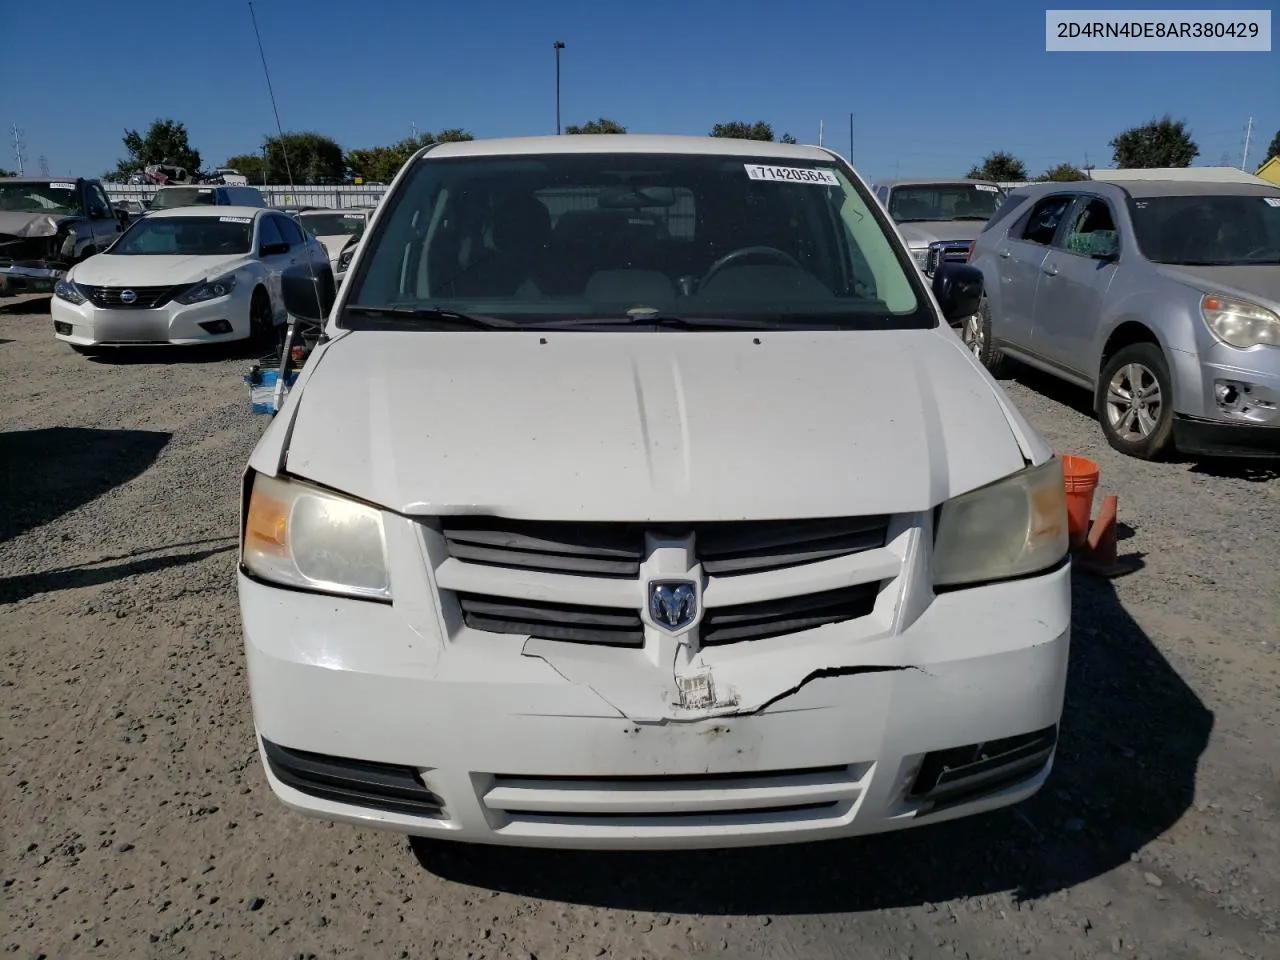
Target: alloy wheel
x=1133, y=402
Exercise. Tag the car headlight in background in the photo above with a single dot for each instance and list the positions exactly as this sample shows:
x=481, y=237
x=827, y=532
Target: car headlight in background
x=302, y=536
x=209, y=290
x=66, y=290
x=1239, y=322
x=1011, y=528
x=921, y=256
x=344, y=258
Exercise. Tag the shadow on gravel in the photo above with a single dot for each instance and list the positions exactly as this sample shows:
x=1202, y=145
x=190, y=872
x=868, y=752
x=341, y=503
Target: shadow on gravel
x=1059, y=391
x=46, y=473
x=1254, y=471
x=25, y=303
x=1132, y=736
x=13, y=589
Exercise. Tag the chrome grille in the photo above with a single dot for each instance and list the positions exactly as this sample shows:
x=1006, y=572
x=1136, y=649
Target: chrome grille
x=949, y=251
x=147, y=298
x=616, y=550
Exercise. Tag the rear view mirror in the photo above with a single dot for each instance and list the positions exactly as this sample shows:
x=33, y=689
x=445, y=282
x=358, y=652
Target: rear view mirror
x=308, y=292
x=958, y=288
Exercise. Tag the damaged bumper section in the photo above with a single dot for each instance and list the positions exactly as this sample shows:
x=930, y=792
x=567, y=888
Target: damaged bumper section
x=703, y=690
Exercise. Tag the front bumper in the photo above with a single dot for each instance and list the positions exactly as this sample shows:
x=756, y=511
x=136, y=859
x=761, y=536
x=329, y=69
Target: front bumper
x=87, y=325
x=1216, y=438
x=1227, y=400
x=28, y=272
x=511, y=751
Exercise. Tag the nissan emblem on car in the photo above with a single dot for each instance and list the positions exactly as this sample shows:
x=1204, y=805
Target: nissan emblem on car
x=127, y=296
x=673, y=604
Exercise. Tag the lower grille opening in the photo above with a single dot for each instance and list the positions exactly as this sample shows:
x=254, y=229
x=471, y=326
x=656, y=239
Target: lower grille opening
x=62, y=328
x=553, y=621
x=960, y=774
x=772, y=618
x=380, y=786
x=719, y=818
x=216, y=326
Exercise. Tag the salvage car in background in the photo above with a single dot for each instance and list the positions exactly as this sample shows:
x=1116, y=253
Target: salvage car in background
x=185, y=276
x=939, y=218
x=336, y=229
x=170, y=198
x=1160, y=297
x=48, y=224
x=592, y=523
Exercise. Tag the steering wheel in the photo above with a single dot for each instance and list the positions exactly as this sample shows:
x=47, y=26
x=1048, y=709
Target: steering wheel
x=742, y=253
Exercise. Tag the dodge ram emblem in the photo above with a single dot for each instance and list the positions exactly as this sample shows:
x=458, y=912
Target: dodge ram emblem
x=673, y=604
x=127, y=296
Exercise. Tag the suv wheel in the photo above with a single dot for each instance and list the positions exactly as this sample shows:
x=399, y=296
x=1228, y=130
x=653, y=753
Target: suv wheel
x=975, y=333
x=1135, y=402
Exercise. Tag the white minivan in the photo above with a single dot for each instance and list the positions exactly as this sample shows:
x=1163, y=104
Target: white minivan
x=639, y=495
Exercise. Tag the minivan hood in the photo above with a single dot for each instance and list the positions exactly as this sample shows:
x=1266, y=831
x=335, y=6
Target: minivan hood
x=650, y=427
x=333, y=245
x=925, y=232
x=1258, y=282
x=104, y=270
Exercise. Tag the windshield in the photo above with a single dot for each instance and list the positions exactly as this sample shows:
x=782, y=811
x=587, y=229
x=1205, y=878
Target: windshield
x=332, y=224
x=171, y=197
x=1208, y=230
x=53, y=196
x=186, y=236
x=617, y=236
x=944, y=201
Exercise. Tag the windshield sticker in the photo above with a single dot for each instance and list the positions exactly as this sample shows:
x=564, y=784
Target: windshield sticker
x=235, y=220
x=352, y=216
x=62, y=186
x=205, y=190
x=821, y=178
x=1272, y=201
x=987, y=187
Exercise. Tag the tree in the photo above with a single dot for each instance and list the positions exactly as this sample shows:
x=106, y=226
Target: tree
x=1063, y=173
x=603, y=125
x=786, y=138
x=165, y=141
x=999, y=167
x=312, y=158
x=7, y=173
x=1273, y=149
x=1161, y=143
x=250, y=164
x=737, y=130
x=381, y=164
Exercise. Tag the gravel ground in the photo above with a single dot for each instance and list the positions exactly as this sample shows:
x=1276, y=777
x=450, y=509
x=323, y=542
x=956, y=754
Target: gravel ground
x=137, y=821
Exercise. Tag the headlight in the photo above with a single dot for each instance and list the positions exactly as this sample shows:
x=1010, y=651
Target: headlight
x=209, y=290
x=66, y=290
x=301, y=536
x=1239, y=322
x=1010, y=528
x=344, y=258
x=921, y=256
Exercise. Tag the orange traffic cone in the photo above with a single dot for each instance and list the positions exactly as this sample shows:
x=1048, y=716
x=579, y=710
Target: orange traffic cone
x=1097, y=555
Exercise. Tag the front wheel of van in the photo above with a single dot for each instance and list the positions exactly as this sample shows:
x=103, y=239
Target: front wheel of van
x=975, y=334
x=1135, y=402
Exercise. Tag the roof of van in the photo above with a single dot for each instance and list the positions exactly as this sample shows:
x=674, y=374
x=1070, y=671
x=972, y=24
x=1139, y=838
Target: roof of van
x=209, y=211
x=627, y=143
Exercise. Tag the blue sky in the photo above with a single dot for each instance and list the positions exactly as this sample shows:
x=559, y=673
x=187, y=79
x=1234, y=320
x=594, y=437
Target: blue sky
x=933, y=87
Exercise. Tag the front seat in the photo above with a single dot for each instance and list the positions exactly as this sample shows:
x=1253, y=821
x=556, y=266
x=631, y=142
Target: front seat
x=521, y=233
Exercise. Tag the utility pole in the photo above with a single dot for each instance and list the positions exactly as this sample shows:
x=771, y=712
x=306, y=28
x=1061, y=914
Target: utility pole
x=559, y=45
x=1088, y=167
x=851, y=139
x=1248, y=135
x=43, y=163
x=820, y=122
x=17, y=148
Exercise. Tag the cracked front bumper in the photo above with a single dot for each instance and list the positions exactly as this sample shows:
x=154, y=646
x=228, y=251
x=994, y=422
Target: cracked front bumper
x=516, y=753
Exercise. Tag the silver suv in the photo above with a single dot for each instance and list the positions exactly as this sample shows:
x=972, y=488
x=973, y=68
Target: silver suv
x=939, y=218
x=1161, y=297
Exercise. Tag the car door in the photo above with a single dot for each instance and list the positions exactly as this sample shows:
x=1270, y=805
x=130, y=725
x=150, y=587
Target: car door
x=309, y=250
x=1020, y=256
x=102, y=218
x=276, y=261
x=1075, y=277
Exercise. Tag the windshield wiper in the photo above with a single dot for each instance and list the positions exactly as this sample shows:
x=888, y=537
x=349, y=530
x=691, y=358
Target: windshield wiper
x=670, y=320
x=434, y=315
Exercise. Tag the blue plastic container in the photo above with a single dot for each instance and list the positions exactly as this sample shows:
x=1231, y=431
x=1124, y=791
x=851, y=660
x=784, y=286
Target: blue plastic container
x=262, y=387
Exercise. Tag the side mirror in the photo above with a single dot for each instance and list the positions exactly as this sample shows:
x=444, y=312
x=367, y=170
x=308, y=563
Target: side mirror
x=958, y=288
x=306, y=296
x=271, y=249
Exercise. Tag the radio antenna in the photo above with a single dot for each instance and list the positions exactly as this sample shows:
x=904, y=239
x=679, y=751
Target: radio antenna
x=288, y=171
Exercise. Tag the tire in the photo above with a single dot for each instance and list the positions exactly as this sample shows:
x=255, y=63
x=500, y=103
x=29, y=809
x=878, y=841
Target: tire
x=975, y=334
x=1141, y=429
x=262, y=320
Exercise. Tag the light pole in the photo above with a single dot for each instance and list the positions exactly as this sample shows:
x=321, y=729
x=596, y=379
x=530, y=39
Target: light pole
x=559, y=45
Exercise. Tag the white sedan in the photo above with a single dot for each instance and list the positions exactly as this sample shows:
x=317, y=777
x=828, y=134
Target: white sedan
x=185, y=276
